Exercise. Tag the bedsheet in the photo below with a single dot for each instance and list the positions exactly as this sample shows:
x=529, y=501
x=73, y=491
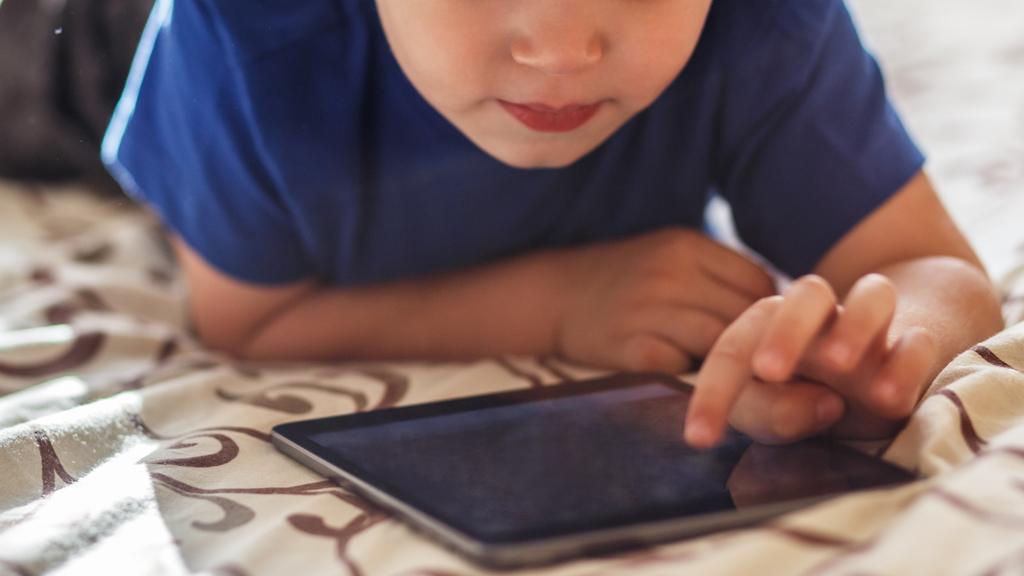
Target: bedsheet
x=126, y=447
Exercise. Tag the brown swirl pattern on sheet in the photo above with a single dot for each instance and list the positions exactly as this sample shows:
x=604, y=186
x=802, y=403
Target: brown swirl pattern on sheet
x=954, y=500
x=164, y=353
x=291, y=404
x=971, y=437
x=533, y=380
x=229, y=570
x=52, y=468
x=550, y=364
x=395, y=387
x=42, y=276
x=429, y=572
x=139, y=424
x=228, y=451
x=95, y=253
x=994, y=517
x=234, y=513
x=81, y=300
x=324, y=487
x=82, y=350
x=318, y=526
x=991, y=357
x=234, y=516
x=810, y=538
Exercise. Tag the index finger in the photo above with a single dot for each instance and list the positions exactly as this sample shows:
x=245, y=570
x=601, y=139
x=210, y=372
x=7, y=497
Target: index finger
x=725, y=372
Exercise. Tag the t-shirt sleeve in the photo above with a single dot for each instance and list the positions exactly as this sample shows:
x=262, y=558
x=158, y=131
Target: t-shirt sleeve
x=185, y=141
x=810, y=142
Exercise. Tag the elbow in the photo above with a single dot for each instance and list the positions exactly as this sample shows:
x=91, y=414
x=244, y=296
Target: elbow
x=217, y=339
x=974, y=290
x=230, y=315
x=225, y=335
x=249, y=342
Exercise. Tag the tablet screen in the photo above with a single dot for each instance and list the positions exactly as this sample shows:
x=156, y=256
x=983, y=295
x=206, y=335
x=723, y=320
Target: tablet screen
x=532, y=468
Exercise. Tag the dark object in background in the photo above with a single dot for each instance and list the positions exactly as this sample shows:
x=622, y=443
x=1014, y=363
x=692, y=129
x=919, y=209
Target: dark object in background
x=63, y=64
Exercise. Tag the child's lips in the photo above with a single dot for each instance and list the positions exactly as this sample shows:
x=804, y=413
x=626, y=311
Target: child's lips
x=544, y=118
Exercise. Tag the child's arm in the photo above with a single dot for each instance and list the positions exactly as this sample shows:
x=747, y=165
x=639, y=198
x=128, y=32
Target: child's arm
x=792, y=365
x=653, y=302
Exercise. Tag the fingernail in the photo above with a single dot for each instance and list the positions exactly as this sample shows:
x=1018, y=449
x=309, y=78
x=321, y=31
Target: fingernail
x=829, y=409
x=698, y=434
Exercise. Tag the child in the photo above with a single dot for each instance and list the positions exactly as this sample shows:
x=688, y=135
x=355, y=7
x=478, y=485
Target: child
x=461, y=178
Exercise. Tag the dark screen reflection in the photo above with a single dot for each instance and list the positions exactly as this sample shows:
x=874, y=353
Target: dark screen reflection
x=601, y=459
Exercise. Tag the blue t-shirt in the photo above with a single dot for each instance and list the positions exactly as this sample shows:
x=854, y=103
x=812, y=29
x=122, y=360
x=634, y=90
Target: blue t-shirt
x=282, y=141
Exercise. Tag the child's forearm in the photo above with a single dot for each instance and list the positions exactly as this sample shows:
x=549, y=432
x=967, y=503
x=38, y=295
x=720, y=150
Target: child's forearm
x=506, y=308
x=950, y=298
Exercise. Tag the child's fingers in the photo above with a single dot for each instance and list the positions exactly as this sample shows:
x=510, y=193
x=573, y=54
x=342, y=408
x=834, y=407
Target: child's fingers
x=667, y=339
x=779, y=412
x=896, y=387
x=705, y=293
x=723, y=300
x=725, y=372
x=691, y=330
x=809, y=304
x=866, y=315
x=736, y=270
x=647, y=352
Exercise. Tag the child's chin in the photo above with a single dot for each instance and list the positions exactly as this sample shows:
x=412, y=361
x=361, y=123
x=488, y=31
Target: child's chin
x=543, y=155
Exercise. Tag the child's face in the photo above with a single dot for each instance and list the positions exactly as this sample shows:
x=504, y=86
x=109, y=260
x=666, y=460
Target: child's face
x=540, y=83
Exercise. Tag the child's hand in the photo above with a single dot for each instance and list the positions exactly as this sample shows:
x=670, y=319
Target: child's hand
x=791, y=366
x=654, y=302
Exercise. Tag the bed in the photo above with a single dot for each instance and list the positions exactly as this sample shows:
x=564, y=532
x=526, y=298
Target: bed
x=127, y=447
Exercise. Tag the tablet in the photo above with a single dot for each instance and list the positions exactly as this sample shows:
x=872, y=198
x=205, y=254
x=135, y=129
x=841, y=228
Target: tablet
x=534, y=476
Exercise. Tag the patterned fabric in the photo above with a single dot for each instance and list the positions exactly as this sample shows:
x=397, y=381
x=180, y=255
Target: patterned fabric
x=125, y=447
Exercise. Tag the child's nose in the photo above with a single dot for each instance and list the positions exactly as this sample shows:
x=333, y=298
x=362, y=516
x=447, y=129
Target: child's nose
x=558, y=44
